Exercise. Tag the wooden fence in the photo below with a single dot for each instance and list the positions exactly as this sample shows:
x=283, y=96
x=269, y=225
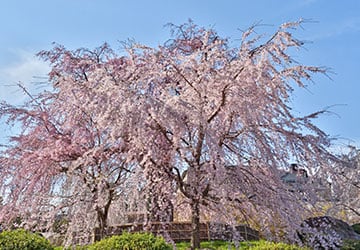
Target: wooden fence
x=181, y=231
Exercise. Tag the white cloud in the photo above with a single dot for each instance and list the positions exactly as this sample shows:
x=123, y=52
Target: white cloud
x=26, y=70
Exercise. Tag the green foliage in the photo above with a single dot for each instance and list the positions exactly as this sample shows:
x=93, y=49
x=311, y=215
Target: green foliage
x=21, y=239
x=212, y=245
x=356, y=227
x=72, y=248
x=351, y=245
x=253, y=245
x=266, y=245
x=131, y=241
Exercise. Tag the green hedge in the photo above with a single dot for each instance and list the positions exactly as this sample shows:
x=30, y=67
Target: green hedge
x=21, y=239
x=247, y=245
x=131, y=241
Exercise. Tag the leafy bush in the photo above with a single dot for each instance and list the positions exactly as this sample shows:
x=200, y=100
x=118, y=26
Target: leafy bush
x=131, y=241
x=351, y=245
x=21, y=239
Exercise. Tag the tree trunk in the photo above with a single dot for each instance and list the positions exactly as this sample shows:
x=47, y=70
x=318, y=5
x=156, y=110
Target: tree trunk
x=195, y=225
x=102, y=220
x=102, y=215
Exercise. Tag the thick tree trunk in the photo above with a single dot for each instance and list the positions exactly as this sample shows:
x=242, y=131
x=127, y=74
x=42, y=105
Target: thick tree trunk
x=102, y=215
x=195, y=225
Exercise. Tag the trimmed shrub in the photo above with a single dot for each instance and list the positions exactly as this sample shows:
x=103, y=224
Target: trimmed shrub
x=131, y=241
x=21, y=239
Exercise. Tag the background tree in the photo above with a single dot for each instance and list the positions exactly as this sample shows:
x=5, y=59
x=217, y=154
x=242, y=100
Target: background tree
x=344, y=187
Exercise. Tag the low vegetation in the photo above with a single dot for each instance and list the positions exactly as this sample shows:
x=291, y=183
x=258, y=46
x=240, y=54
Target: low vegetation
x=131, y=241
x=21, y=239
x=351, y=245
x=253, y=245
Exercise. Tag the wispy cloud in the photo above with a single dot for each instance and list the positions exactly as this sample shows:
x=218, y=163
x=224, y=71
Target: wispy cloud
x=26, y=70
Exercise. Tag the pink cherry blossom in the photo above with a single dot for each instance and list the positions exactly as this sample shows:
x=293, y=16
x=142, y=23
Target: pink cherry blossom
x=201, y=127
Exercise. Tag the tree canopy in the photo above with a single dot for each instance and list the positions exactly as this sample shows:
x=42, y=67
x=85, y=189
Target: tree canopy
x=205, y=122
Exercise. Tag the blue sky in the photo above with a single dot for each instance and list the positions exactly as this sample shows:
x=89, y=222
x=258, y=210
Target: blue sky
x=27, y=27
